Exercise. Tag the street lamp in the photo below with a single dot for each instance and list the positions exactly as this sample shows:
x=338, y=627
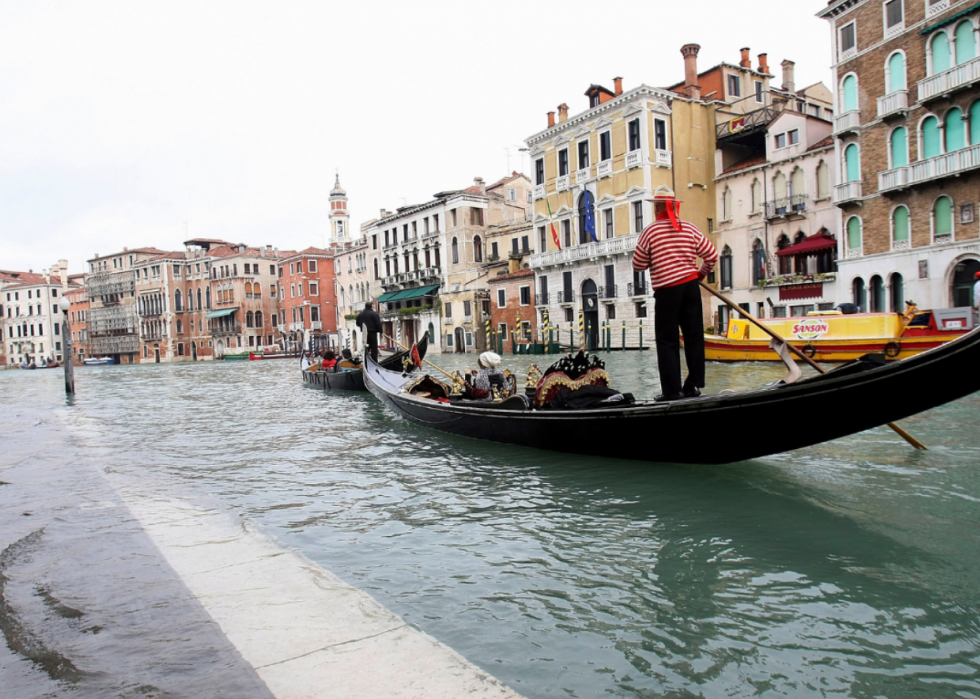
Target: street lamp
x=65, y=305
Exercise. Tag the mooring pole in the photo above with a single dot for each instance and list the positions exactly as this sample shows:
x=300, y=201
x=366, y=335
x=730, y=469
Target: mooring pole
x=67, y=357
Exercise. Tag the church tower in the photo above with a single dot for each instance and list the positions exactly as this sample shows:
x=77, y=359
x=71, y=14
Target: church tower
x=339, y=218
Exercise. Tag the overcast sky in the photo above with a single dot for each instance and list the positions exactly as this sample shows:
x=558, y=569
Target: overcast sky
x=136, y=123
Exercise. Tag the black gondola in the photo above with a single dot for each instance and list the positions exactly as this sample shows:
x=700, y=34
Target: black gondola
x=354, y=380
x=851, y=398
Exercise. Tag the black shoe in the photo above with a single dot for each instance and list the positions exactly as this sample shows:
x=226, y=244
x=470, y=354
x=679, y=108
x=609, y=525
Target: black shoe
x=664, y=398
x=692, y=392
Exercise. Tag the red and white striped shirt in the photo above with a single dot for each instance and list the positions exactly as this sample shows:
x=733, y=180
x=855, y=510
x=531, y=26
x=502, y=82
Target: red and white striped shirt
x=671, y=255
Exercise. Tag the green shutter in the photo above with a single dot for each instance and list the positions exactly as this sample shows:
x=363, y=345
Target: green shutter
x=955, y=130
x=852, y=163
x=850, y=93
x=931, y=139
x=896, y=72
x=900, y=221
x=900, y=147
x=966, y=43
x=943, y=214
x=940, y=53
x=975, y=124
x=853, y=233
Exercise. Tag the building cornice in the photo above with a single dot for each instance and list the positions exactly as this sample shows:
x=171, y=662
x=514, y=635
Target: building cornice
x=840, y=8
x=579, y=119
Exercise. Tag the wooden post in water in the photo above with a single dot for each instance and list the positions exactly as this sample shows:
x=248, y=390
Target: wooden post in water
x=641, y=334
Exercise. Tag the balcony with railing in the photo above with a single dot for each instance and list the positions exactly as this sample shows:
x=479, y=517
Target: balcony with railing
x=562, y=183
x=604, y=248
x=565, y=297
x=894, y=103
x=946, y=165
x=604, y=168
x=634, y=158
x=316, y=325
x=607, y=293
x=542, y=299
x=635, y=290
x=583, y=175
x=663, y=158
x=430, y=235
x=847, y=192
x=538, y=191
x=949, y=81
x=846, y=122
x=786, y=206
x=227, y=329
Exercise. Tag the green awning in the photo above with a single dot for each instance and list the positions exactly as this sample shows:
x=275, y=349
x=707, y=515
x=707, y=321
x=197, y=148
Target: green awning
x=220, y=314
x=387, y=296
x=949, y=20
x=414, y=293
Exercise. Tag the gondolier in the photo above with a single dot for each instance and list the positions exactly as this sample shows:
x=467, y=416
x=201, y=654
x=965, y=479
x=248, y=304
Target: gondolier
x=669, y=249
x=370, y=323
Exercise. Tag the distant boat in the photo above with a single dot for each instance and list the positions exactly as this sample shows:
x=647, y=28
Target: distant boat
x=235, y=356
x=256, y=356
x=98, y=361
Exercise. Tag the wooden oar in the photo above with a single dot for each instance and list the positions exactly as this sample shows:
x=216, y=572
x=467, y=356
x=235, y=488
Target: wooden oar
x=423, y=359
x=771, y=333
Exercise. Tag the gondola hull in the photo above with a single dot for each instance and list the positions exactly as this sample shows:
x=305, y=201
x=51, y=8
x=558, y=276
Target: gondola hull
x=354, y=380
x=845, y=401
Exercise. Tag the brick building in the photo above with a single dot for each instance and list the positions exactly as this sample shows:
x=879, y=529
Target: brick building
x=77, y=319
x=512, y=310
x=908, y=147
x=307, y=296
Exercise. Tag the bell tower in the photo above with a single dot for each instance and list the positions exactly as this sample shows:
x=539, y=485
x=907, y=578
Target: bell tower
x=339, y=218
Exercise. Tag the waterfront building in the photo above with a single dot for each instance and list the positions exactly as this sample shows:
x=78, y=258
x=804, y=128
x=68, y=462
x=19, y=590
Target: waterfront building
x=357, y=279
x=594, y=175
x=244, y=284
x=432, y=263
x=307, y=299
x=512, y=315
x=777, y=225
x=113, y=323
x=10, y=278
x=173, y=298
x=77, y=318
x=908, y=143
x=32, y=318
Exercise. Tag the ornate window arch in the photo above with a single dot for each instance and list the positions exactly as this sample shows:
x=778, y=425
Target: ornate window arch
x=178, y=302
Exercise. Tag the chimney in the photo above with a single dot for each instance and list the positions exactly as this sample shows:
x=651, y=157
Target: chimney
x=746, y=62
x=478, y=182
x=691, y=87
x=562, y=112
x=764, y=63
x=618, y=82
x=789, y=82
x=551, y=119
x=63, y=268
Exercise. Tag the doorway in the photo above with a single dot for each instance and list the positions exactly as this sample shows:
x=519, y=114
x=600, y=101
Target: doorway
x=590, y=308
x=193, y=351
x=460, y=341
x=964, y=274
x=156, y=355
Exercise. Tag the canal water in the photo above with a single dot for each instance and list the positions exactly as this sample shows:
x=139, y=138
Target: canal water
x=846, y=569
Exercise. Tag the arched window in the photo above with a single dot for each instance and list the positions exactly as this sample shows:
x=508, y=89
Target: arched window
x=799, y=261
x=231, y=293
x=877, y=288
x=199, y=306
x=895, y=75
x=897, y=284
x=376, y=271
x=852, y=163
x=975, y=124
x=190, y=299
x=899, y=150
x=248, y=290
x=785, y=261
x=797, y=187
x=939, y=49
x=854, y=242
x=901, y=231
x=726, y=205
x=343, y=301
x=756, y=196
x=942, y=220
x=955, y=130
x=758, y=262
x=850, y=94
x=249, y=320
x=966, y=42
x=932, y=142
x=455, y=249
x=586, y=218
x=726, y=268
x=257, y=290
x=477, y=249
x=823, y=180
x=779, y=192
x=432, y=334
x=180, y=326
x=859, y=295
x=207, y=297
x=178, y=305
x=258, y=319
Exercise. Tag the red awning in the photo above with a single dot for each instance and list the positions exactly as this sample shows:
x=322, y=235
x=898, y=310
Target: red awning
x=810, y=245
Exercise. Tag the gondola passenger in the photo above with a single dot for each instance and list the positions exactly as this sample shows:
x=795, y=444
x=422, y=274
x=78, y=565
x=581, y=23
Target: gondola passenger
x=480, y=384
x=329, y=362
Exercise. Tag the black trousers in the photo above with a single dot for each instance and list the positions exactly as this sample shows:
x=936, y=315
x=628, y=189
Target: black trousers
x=679, y=307
x=372, y=345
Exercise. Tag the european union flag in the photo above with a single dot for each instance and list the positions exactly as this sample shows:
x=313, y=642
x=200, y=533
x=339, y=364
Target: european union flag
x=587, y=205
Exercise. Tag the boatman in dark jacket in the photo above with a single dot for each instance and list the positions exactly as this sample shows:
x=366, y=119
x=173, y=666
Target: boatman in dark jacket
x=669, y=249
x=370, y=323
